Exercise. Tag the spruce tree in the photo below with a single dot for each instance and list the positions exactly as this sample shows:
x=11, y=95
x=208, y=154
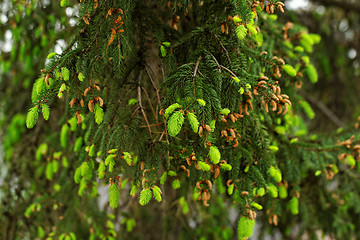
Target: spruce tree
x=185, y=112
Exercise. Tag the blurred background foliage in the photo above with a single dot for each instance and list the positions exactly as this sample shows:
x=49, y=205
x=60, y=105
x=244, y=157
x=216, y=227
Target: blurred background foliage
x=335, y=97
x=29, y=30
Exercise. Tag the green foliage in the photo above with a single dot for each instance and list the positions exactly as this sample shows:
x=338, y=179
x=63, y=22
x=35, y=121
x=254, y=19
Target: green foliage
x=82, y=186
x=201, y=102
x=274, y=148
x=231, y=189
x=275, y=173
x=203, y=166
x=45, y=111
x=273, y=191
x=157, y=193
x=78, y=144
x=110, y=161
x=217, y=62
x=41, y=151
x=282, y=191
x=92, y=150
x=132, y=101
x=226, y=167
x=64, y=134
x=133, y=190
x=290, y=70
x=64, y=3
x=185, y=206
x=99, y=113
x=163, y=51
x=245, y=228
x=171, y=109
x=32, y=117
x=77, y=175
x=65, y=74
x=350, y=160
x=214, y=155
x=145, y=196
x=260, y=192
x=101, y=170
x=312, y=73
x=194, y=123
x=166, y=44
x=257, y=206
x=130, y=224
x=176, y=184
x=81, y=77
x=241, y=32
x=237, y=19
x=294, y=205
x=51, y=55
x=225, y=111
x=175, y=123
x=85, y=170
x=127, y=157
x=307, y=109
x=163, y=178
x=172, y=173
x=114, y=195
x=49, y=172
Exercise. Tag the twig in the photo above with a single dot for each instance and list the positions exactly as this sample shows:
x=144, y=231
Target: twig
x=225, y=68
x=222, y=46
x=231, y=82
x=141, y=106
x=148, y=69
x=151, y=125
x=167, y=134
x=194, y=74
x=217, y=63
x=149, y=100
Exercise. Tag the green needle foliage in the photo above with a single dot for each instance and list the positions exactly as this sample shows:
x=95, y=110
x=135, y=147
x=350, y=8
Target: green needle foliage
x=115, y=100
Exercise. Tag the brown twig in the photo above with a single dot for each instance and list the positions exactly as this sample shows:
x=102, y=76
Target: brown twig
x=194, y=74
x=217, y=63
x=150, y=73
x=149, y=100
x=228, y=70
x=225, y=50
x=141, y=106
x=151, y=125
